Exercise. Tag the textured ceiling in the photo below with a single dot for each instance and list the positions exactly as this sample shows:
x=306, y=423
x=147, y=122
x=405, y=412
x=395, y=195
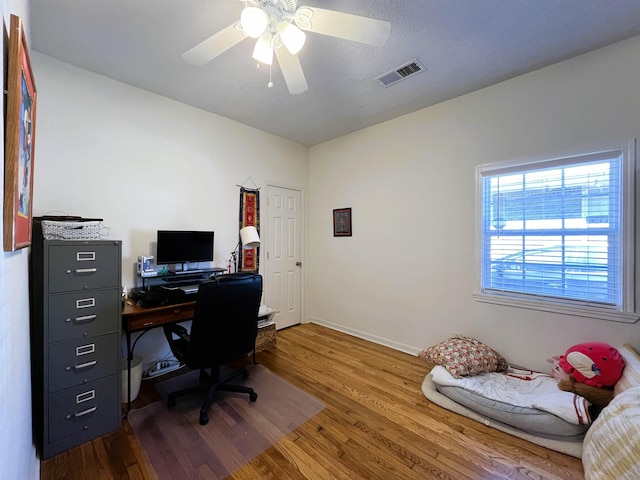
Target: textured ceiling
x=464, y=45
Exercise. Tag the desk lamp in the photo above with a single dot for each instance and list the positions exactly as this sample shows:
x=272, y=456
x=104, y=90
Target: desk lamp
x=249, y=239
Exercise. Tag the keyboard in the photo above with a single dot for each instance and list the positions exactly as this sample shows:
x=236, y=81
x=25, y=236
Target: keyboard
x=186, y=288
x=181, y=282
x=188, y=272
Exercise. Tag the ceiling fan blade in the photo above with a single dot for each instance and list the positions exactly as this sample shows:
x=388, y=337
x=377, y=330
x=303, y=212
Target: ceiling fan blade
x=213, y=46
x=344, y=25
x=292, y=71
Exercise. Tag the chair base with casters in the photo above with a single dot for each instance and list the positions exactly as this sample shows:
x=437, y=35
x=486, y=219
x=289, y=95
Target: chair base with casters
x=212, y=384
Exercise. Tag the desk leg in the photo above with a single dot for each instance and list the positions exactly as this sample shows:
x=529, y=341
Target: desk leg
x=129, y=358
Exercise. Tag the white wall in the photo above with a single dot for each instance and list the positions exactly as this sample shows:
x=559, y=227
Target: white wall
x=17, y=453
x=406, y=277
x=143, y=162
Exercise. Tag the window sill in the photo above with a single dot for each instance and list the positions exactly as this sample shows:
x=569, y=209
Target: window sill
x=581, y=310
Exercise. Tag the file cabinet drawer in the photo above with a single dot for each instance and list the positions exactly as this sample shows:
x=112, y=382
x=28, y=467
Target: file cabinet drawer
x=149, y=317
x=81, y=314
x=83, y=267
x=83, y=360
x=83, y=408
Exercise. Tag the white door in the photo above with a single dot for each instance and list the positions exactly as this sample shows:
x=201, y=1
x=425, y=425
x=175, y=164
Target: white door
x=283, y=265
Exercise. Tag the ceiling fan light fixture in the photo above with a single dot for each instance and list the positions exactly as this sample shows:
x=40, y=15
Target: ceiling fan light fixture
x=254, y=21
x=263, y=51
x=277, y=23
x=292, y=37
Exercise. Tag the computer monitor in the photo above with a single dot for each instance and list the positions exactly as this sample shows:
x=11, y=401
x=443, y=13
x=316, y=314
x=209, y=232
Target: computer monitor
x=184, y=247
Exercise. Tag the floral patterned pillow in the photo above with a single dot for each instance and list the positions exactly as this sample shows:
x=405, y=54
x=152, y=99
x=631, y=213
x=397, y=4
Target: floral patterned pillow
x=465, y=356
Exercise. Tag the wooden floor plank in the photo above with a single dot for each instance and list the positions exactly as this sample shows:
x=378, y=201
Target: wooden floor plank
x=376, y=424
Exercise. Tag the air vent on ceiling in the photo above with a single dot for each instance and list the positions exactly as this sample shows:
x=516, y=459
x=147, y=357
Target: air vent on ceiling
x=394, y=76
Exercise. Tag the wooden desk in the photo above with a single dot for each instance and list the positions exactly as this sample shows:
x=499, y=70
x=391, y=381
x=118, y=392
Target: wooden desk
x=139, y=319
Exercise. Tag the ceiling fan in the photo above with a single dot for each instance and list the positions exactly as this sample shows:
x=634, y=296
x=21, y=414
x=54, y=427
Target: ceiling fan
x=281, y=23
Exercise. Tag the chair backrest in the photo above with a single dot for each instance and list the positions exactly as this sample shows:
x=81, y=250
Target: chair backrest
x=225, y=323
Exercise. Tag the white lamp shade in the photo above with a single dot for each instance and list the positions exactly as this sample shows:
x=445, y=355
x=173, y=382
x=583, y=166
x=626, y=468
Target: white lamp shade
x=254, y=21
x=263, y=51
x=292, y=37
x=249, y=238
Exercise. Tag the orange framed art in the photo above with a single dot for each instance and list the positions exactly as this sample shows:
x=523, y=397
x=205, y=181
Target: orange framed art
x=20, y=129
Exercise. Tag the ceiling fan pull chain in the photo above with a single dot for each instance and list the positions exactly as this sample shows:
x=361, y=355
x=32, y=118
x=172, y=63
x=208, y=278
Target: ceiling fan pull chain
x=270, y=84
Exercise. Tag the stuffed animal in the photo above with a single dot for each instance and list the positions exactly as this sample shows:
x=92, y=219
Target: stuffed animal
x=598, y=396
x=594, y=364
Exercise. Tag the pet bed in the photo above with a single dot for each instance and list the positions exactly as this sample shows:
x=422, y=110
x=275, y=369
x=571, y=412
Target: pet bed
x=610, y=449
x=464, y=360
x=571, y=446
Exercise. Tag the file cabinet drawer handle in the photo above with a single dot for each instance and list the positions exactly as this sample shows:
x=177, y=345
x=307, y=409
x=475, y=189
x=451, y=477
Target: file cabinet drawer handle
x=85, y=318
x=86, y=270
x=83, y=413
x=84, y=365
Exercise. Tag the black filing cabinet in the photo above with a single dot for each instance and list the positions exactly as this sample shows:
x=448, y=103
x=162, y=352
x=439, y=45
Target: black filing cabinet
x=76, y=350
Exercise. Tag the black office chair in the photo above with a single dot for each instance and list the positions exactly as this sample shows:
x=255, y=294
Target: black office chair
x=224, y=329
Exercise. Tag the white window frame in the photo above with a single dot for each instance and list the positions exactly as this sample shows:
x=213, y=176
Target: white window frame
x=625, y=312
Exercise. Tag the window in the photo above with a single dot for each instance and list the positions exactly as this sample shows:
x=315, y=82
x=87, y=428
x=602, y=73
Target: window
x=557, y=234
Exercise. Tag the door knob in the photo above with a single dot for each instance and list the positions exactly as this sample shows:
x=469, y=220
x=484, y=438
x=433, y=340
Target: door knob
x=298, y=264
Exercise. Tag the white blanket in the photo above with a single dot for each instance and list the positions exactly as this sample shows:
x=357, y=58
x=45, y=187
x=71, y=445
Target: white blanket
x=522, y=388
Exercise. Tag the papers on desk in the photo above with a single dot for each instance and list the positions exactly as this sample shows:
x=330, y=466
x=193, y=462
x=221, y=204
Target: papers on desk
x=265, y=315
x=265, y=323
x=190, y=288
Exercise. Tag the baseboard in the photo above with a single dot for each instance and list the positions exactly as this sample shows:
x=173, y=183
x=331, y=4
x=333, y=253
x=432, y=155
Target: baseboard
x=365, y=336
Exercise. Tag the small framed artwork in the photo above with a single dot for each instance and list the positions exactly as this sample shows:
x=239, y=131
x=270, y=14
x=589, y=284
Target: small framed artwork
x=20, y=129
x=342, y=222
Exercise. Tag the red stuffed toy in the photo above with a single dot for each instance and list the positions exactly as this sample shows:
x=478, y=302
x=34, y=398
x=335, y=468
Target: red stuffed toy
x=596, y=364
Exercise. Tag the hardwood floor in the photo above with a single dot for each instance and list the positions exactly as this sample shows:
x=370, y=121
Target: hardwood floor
x=376, y=425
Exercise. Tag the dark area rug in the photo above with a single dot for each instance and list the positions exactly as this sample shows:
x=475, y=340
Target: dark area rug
x=177, y=446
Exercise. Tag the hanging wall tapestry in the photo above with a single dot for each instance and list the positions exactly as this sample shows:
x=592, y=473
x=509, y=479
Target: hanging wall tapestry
x=249, y=216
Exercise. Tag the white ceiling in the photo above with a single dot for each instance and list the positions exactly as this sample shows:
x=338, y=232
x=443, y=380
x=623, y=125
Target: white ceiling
x=464, y=45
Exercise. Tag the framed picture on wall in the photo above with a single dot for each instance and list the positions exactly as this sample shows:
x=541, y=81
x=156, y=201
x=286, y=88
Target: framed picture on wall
x=342, y=222
x=20, y=129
